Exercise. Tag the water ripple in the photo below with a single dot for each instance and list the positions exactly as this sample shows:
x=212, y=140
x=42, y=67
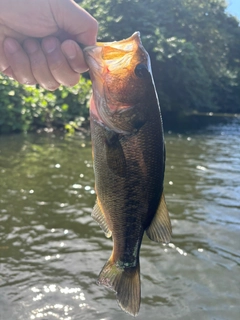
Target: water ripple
x=51, y=250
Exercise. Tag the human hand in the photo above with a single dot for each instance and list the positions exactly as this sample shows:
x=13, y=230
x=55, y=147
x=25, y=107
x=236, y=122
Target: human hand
x=38, y=41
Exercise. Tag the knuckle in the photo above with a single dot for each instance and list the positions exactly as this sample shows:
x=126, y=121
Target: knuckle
x=94, y=26
x=73, y=82
x=31, y=83
x=50, y=86
x=57, y=65
x=7, y=72
x=28, y=82
x=37, y=63
x=4, y=65
x=70, y=81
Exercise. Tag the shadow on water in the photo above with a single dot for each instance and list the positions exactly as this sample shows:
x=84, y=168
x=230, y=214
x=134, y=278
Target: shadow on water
x=51, y=251
x=196, y=121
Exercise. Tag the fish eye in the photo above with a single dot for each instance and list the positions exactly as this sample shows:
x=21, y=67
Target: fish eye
x=141, y=70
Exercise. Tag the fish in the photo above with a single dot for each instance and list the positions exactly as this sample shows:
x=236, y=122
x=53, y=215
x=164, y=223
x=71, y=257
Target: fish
x=128, y=160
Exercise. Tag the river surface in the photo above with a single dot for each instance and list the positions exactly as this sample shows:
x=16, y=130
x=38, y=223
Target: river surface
x=51, y=250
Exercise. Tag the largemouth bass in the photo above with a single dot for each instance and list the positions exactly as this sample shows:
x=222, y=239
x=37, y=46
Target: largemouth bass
x=129, y=161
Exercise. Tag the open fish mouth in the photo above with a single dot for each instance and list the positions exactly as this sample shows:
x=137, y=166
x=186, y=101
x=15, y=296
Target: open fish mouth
x=108, y=57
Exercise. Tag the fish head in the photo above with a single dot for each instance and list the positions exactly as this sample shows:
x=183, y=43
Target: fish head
x=121, y=75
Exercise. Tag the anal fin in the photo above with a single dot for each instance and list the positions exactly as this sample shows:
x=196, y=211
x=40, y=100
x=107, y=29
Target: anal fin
x=160, y=229
x=98, y=216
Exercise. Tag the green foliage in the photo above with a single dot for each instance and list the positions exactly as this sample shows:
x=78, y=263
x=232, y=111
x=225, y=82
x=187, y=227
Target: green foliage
x=25, y=108
x=194, y=47
x=183, y=78
x=195, y=52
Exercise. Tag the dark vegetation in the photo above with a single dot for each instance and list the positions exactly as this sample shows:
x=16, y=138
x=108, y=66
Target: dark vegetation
x=195, y=52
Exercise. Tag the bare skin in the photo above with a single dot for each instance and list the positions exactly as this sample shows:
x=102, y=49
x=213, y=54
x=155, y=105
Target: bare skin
x=39, y=41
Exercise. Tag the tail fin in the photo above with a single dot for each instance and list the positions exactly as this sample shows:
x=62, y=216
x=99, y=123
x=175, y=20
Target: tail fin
x=125, y=282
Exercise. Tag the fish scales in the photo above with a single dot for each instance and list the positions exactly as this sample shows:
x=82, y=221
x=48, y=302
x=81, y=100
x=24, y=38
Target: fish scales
x=129, y=161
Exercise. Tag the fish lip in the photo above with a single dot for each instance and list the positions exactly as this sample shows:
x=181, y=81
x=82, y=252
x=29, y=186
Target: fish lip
x=135, y=37
x=92, y=57
x=89, y=48
x=125, y=46
x=96, y=66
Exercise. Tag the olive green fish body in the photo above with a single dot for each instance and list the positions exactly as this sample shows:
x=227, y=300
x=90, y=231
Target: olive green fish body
x=129, y=163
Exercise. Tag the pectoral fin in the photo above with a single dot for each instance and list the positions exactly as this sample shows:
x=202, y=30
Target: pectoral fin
x=115, y=156
x=98, y=216
x=160, y=229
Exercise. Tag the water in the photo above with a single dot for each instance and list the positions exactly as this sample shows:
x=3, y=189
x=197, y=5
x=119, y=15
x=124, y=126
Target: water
x=51, y=251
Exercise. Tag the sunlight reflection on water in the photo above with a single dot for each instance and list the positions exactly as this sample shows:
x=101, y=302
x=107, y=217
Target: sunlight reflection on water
x=51, y=250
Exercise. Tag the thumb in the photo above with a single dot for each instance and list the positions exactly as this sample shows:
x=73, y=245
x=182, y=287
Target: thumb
x=73, y=19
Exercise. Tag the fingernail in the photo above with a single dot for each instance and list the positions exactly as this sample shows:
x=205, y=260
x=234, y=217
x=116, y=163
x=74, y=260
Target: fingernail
x=10, y=45
x=70, y=50
x=49, y=45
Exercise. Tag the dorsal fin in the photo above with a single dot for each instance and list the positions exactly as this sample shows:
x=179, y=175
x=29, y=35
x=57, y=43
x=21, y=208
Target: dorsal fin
x=160, y=229
x=98, y=216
